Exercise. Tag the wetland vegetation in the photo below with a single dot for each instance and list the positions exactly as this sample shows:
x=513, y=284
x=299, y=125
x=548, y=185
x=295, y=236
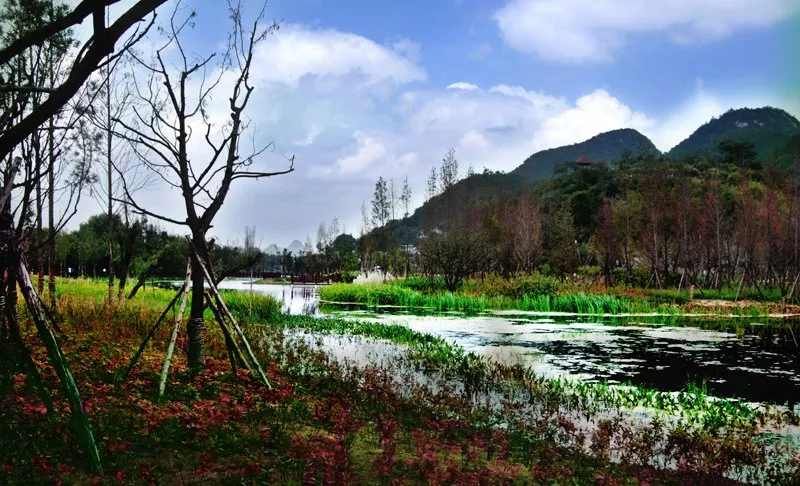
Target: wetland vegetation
x=432, y=412
x=605, y=313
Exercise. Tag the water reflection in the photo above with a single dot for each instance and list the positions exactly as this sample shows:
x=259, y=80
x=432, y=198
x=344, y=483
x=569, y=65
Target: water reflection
x=752, y=359
x=297, y=299
x=756, y=363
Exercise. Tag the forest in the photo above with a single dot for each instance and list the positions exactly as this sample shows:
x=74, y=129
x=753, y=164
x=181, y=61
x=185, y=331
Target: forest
x=727, y=220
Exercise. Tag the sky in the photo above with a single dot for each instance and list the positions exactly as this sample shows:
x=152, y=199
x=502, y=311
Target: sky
x=357, y=89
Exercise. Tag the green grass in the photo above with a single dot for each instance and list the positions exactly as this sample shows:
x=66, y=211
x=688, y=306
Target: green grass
x=377, y=295
x=413, y=294
x=86, y=299
x=692, y=407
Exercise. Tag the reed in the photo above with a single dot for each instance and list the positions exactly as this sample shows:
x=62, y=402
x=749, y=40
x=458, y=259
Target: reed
x=402, y=295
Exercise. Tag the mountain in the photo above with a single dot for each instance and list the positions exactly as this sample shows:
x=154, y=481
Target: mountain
x=295, y=247
x=491, y=187
x=606, y=147
x=773, y=132
x=768, y=129
x=272, y=249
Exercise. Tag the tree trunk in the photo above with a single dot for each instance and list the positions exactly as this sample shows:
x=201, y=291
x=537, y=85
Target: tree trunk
x=51, y=252
x=196, y=329
x=109, y=188
x=139, y=284
x=39, y=228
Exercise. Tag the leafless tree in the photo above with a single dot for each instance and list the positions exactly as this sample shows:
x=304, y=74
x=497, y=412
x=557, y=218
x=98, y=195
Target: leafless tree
x=88, y=59
x=170, y=108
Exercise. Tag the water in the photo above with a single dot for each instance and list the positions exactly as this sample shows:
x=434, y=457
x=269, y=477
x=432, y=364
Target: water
x=297, y=299
x=759, y=363
x=756, y=367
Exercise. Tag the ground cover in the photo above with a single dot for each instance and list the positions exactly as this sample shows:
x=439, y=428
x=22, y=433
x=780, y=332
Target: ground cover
x=327, y=423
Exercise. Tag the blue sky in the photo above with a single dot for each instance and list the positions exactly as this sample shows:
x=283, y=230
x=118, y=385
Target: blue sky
x=361, y=89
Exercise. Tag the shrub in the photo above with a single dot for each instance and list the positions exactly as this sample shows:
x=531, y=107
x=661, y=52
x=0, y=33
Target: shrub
x=535, y=284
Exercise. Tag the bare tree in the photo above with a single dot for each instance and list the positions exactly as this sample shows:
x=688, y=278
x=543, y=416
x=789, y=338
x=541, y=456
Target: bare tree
x=449, y=170
x=526, y=233
x=88, y=59
x=170, y=105
x=405, y=197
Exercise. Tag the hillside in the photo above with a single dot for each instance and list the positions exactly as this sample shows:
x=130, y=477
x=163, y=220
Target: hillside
x=768, y=129
x=606, y=147
x=774, y=133
x=493, y=186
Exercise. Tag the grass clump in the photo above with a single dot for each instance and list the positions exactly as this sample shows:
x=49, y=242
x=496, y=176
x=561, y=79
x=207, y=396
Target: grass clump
x=530, y=294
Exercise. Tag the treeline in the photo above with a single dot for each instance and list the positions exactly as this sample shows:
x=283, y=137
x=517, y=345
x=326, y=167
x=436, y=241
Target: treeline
x=144, y=251
x=729, y=221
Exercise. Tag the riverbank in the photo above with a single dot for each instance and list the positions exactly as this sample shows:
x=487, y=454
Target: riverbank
x=542, y=296
x=337, y=423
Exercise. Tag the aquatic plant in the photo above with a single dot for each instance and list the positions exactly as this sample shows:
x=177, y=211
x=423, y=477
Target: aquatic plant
x=398, y=295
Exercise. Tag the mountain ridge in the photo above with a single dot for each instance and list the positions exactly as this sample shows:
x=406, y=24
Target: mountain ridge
x=769, y=129
x=603, y=147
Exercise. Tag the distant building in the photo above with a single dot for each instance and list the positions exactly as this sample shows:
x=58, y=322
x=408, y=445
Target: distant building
x=584, y=161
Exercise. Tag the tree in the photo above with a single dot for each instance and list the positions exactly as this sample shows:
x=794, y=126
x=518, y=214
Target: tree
x=169, y=103
x=605, y=240
x=449, y=170
x=453, y=255
x=101, y=44
x=627, y=213
x=405, y=197
x=35, y=45
x=431, y=185
x=526, y=232
x=380, y=204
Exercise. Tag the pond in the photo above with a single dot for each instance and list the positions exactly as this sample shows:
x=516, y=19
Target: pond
x=751, y=358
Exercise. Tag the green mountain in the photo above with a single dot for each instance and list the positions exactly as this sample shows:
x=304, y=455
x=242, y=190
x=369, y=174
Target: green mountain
x=768, y=129
x=773, y=132
x=606, y=147
x=492, y=187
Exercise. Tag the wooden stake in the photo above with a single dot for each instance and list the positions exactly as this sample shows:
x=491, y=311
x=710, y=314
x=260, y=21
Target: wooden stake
x=79, y=419
x=227, y=313
x=171, y=349
x=150, y=334
x=234, y=353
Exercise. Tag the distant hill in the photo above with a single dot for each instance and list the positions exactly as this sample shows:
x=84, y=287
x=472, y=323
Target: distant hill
x=492, y=186
x=774, y=133
x=606, y=147
x=295, y=247
x=768, y=129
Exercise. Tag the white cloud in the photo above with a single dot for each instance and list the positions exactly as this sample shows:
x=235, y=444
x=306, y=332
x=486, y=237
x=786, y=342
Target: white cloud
x=297, y=52
x=463, y=85
x=474, y=141
x=369, y=152
x=537, y=98
x=592, y=114
x=594, y=30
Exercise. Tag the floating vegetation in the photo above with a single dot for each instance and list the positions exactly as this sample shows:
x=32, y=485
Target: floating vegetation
x=692, y=406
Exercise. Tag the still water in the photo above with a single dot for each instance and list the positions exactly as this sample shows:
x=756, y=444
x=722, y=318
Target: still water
x=750, y=358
